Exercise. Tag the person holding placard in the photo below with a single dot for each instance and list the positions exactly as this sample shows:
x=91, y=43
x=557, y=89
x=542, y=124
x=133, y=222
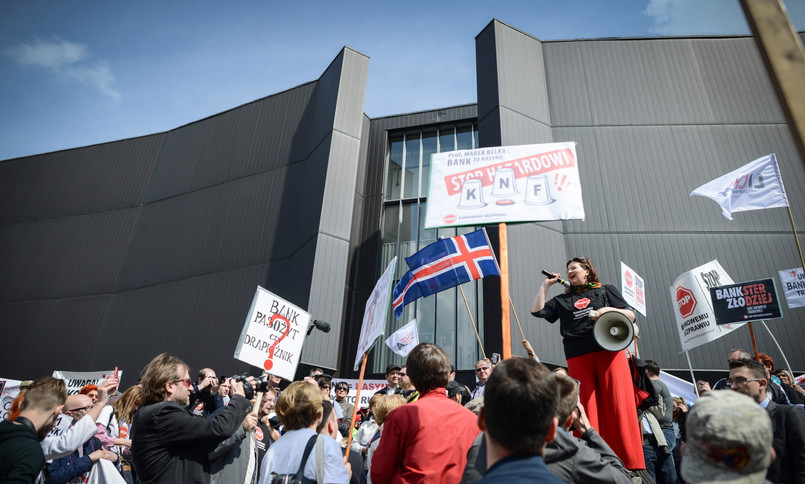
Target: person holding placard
x=606, y=389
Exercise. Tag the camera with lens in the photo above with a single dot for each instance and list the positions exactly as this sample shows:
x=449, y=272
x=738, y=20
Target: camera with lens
x=258, y=384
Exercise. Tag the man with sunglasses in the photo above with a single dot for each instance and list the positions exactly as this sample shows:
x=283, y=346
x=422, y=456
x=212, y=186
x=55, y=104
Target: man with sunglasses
x=483, y=368
x=341, y=392
x=788, y=421
x=172, y=444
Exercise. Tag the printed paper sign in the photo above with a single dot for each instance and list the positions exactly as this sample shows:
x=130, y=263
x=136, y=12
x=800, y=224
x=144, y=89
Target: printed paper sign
x=273, y=335
x=793, y=281
x=633, y=289
x=522, y=183
x=693, y=308
x=76, y=380
x=745, y=301
x=374, y=316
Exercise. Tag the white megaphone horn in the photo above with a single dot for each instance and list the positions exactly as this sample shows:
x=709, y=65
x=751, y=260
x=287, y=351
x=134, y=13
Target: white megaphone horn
x=614, y=331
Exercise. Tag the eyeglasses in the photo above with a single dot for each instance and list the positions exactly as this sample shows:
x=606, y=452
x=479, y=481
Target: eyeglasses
x=402, y=374
x=483, y=368
x=187, y=381
x=740, y=381
x=325, y=387
x=80, y=409
x=338, y=389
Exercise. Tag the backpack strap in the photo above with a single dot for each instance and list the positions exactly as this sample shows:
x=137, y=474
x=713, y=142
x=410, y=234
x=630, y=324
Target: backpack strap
x=308, y=448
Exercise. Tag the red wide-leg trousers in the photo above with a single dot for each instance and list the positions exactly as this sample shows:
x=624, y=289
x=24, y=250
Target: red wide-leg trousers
x=607, y=393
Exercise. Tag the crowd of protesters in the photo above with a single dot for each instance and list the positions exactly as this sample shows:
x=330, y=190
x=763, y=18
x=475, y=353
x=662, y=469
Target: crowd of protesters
x=521, y=423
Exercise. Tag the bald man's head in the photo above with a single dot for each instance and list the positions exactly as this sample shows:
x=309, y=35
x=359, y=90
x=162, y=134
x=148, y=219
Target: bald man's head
x=77, y=406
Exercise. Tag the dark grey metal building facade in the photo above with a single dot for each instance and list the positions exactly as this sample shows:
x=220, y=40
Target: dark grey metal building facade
x=113, y=253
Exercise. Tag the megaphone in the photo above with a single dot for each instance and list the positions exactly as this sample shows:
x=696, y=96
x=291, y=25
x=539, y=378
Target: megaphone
x=613, y=331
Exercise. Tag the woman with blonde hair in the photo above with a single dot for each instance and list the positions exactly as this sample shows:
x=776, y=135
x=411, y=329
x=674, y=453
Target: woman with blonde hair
x=383, y=407
x=299, y=409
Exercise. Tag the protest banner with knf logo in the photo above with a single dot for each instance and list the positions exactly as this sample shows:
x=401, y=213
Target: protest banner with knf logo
x=693, y=308
x=520, y=183
x=273, y=335
x=746, y=301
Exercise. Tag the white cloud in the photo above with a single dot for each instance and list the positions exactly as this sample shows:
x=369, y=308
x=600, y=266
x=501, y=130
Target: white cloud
x=696, y=17
x=67, y=61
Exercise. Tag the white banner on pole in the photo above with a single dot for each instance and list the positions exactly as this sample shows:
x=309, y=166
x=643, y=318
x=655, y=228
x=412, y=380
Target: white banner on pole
x=522, y=183
x=273, y=335
x=633, y=289
x=374, y=316
x=404, y=339
x=793, y=281
x=76, y=380
x=693, y=308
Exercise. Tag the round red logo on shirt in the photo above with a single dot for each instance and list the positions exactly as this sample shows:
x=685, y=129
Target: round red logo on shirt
x=258, y=433
x=582, y=303
x=199, y=406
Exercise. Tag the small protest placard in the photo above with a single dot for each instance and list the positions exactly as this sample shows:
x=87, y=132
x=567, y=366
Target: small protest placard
x=633, y=289
x=745, y=301
x=273, y=335
x=794, y=287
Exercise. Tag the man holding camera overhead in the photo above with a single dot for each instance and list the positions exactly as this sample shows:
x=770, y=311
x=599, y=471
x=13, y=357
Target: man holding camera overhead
x=172, y=444
x=204, y=397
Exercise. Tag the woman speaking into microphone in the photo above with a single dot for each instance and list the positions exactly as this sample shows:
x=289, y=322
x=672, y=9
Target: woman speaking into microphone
x=605, y=384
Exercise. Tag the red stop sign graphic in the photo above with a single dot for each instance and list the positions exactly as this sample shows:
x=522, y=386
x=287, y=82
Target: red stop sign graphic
x=685, y=301
x=628, y=279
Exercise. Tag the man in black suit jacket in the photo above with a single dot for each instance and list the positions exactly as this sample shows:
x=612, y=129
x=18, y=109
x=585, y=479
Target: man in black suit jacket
x=788, y=422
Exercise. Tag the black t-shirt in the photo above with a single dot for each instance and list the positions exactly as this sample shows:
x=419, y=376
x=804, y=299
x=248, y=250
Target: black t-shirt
x=262, y=440
x=573, y=312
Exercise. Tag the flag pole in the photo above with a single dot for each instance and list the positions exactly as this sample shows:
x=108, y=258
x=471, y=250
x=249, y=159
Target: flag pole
x=355, y=407
x=754, y=341
x=505, y=316
x=692, y=376
x=787, y=365
x=516, y=319
x=472, y=321
x=796, y=238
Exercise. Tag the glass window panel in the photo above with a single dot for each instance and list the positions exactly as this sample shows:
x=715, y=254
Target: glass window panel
x=409, y=230
x=412, y=152
x=426, y=236
x=464, y=138
x=391, y=225
x=466, y=340
x=446, y=321
x=394, y=176
x=426, y=318
x=447, y=140
x=429, y=147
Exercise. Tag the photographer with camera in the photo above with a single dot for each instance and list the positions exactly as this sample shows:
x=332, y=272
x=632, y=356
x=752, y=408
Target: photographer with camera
x=204, y=397
x=172, y=444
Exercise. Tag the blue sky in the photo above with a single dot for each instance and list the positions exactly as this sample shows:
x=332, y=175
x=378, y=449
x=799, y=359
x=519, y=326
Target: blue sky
x=76, y=73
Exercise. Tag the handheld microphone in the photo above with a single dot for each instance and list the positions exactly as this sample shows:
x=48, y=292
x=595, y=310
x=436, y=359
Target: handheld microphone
x=558, y=279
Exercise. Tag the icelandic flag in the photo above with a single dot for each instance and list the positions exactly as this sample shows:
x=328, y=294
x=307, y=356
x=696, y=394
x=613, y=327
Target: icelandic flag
x=444, y=264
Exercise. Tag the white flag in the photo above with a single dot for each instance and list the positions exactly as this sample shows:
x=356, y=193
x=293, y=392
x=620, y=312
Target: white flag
x=404, y=339
x=752, y=187
x=374, y=316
